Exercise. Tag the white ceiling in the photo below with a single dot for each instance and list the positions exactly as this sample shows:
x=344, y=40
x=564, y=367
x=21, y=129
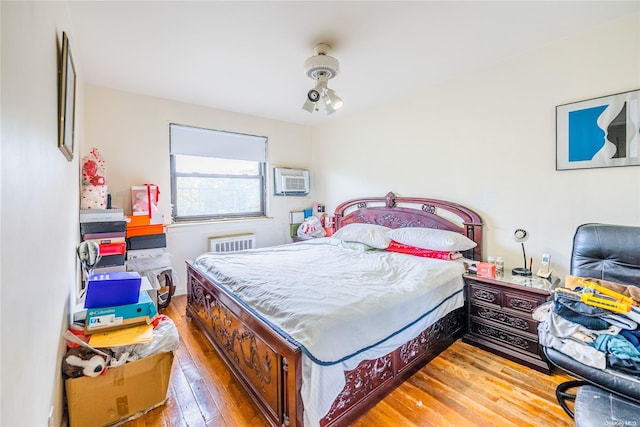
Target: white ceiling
x=248, y=57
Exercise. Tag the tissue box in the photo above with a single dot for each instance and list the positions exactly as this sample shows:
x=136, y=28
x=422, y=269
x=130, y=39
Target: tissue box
x=486, y=269
x=111, y=289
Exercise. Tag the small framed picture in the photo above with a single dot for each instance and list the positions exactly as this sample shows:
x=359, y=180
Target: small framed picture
x=66, y=100
x=598, y=133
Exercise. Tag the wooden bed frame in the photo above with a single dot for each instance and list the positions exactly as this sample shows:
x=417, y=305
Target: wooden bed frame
x=269, y=367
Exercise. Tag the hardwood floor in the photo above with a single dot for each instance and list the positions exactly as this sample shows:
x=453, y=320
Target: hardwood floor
x=464, y=386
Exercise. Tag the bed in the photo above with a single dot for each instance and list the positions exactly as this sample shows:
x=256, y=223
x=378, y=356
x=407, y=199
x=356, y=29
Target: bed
x=331, y=377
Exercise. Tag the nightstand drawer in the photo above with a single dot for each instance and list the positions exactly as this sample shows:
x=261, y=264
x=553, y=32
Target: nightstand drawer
x=521, y=323
x=484, y=294
x=504, y=337
x=525, y=303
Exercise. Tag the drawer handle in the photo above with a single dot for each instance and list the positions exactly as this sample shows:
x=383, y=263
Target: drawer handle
x=503, y=336
x=515, y=322
x=483, y=295
x=521, y=304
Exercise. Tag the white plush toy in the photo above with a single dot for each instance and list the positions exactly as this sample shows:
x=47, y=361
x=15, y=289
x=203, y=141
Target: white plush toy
x=81, y=361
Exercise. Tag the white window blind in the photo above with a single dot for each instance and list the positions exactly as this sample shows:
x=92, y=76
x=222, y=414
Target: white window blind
x=192, y=141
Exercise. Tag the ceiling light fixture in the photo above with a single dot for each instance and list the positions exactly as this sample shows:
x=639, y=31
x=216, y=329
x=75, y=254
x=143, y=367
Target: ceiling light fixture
x=322, y=67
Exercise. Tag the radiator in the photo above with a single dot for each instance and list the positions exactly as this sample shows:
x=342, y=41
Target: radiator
x=234, y=243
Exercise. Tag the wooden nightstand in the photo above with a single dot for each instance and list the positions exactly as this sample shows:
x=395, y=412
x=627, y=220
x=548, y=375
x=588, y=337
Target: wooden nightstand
x=499, y=316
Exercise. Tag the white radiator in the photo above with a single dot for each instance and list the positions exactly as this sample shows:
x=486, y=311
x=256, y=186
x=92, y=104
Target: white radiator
x=234, y=243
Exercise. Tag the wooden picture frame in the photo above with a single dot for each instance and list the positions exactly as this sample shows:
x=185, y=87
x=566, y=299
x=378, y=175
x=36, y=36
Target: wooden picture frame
x=599, y=132
x=66, y=100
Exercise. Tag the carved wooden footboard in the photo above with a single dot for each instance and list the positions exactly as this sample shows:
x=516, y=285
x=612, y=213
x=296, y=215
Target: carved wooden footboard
x=267, y=365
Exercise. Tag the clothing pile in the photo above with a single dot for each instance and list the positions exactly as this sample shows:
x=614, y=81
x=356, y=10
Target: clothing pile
x=589, y=333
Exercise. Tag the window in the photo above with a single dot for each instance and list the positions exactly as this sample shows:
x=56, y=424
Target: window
x=216, y=174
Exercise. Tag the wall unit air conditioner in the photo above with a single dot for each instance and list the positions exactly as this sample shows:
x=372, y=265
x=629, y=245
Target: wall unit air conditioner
x=290, y=182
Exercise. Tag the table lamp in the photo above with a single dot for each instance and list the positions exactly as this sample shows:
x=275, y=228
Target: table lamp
x=521, y=236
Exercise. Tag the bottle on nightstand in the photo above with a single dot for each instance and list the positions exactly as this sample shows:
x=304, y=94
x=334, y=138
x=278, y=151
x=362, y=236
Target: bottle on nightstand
x=499, y=266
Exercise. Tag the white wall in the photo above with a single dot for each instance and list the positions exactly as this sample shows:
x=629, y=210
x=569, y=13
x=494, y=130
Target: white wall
x=39, y=220
x=487, y=140
x=132, y=133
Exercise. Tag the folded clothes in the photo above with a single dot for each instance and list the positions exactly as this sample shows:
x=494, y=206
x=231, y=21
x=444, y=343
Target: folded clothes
x=623, y=322
x=633, y=337
x=579, y=312
x=590, y=316
x=618, y=346
x=557, y=333
x=633, y=315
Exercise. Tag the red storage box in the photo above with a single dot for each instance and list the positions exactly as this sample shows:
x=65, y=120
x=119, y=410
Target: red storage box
x=113, y=248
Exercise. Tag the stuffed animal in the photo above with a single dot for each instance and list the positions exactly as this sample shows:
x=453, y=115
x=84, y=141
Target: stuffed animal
x=82, y=361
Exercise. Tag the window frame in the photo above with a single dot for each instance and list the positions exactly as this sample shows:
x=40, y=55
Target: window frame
x=262, y=176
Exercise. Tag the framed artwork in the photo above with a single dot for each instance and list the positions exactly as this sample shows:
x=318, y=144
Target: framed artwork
x=599, y=133
x=66, y=100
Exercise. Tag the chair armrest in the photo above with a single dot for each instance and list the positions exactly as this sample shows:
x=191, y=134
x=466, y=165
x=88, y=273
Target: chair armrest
x=611, y=380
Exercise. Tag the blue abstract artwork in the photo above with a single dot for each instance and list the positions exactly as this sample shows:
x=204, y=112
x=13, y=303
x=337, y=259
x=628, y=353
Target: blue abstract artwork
x=600, y=132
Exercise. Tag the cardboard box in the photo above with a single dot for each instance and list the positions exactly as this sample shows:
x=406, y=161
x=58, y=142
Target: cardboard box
x=144, y=220
x=125, y=392
x=102, y=227
x=111, y=260
x=138, y=221
x=144, y=230
x=118, y=317
x=111, y=289
x=486, y=269
x=149, y=241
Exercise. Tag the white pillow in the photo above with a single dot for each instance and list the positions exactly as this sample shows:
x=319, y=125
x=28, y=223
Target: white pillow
x=370, y=234
x=432, y=238
x=356, y=246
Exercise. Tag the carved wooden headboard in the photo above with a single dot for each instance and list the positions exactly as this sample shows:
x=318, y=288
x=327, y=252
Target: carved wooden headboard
x=395, y=212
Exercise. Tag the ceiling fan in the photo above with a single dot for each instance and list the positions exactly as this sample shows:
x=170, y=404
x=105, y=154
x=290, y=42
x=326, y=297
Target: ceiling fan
x=321, y=67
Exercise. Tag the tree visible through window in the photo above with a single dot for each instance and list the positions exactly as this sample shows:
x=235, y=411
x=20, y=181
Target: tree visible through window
x=216, y=174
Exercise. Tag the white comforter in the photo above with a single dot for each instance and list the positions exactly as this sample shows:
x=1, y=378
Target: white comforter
x=335, y=302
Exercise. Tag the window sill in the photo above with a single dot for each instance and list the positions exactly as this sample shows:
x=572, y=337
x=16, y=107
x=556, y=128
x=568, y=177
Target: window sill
x=183, y=224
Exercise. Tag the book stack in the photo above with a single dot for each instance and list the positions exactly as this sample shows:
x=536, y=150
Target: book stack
x=106, y=227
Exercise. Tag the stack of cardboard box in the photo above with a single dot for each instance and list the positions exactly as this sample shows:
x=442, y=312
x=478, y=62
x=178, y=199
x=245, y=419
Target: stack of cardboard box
x=106, y=227
x=146, y=254
x=142, y=234
x=118, y=311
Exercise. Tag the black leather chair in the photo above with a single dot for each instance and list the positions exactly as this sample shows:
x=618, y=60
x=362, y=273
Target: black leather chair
x=604, y=397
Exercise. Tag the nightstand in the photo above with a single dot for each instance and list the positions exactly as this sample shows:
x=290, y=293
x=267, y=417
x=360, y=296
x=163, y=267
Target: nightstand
x=499, y=316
